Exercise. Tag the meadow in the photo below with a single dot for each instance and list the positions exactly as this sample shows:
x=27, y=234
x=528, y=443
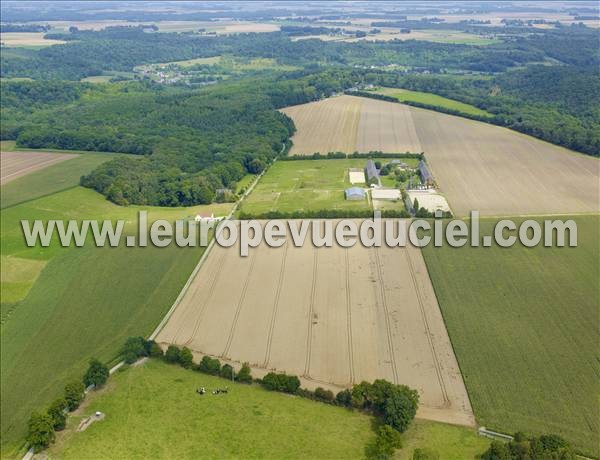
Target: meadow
x=524, y=325
x=433, y=100
x=247, y=422
x=65, y=305
x=304, y=185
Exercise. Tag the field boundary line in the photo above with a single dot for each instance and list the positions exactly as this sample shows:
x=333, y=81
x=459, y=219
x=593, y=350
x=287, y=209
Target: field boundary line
x=239, y=306
x=436, y=361
x=211, y=290
x=386, y=315
x=349, y=318
x=310, y=314
x=275, y=308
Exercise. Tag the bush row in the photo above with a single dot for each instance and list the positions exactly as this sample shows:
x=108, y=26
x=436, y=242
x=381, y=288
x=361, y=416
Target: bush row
x=42, y=426
x=342, y=155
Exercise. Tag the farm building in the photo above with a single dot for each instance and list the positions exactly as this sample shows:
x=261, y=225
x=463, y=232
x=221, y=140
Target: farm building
x=372, y=173
x=357, y=176
x=426, y=176
x=355, y=193
x=385, y=194
x=207, y=217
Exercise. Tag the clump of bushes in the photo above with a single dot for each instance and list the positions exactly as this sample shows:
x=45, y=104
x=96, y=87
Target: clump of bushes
x=281, y=382
x=548, y=446
x=208, y=365
x=396, y=405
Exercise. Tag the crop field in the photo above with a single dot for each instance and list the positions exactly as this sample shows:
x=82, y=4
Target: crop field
x=51, y=179
x=20, y=163
x=247, y=422
x=60, y=306
x=332, y=316
x=405, y=95
x=310, y=185
x=524, y=325
x=477, y=166
x=349, y=124
x=26, y=40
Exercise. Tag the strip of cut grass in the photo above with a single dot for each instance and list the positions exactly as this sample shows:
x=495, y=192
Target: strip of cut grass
x=524, y=326
x=405, y=95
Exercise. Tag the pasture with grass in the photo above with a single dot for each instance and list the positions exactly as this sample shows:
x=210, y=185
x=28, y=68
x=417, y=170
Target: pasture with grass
x=247, y=422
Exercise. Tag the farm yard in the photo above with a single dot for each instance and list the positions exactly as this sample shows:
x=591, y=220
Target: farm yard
x=332, y=316
x=309, y=185
x=524, y=326
x=20, y=163
x=477, y=166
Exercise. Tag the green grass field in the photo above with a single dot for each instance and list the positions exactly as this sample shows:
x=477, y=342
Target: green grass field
x=524, y=325
x=450, y=442
x=153, y=411
x=68, y=304
x=405, y=95
x=248, y=422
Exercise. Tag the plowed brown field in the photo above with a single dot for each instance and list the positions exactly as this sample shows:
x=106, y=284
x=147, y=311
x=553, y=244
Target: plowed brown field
x=333, y=316
x=477, y=166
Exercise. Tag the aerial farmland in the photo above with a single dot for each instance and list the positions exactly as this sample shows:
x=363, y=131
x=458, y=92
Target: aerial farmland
x=191, y=261
x=477, y=166
x=333, y=316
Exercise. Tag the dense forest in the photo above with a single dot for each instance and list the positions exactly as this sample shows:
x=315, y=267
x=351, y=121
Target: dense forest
x=188, y=143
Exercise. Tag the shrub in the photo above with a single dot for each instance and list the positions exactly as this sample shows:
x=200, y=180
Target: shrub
x=172, y=354
x=186, y=359
x=244, y=375
x=344, y=398
x=548, y=446
x=400, y=408
x=209, y=365
x=56, y=411
x=387, y=441
x=227, y=372
x=324, y=395
x=281, y=382
x=133, y=349
x=40, y=432
x=153, y=349
x=97, y=374
x=74, y=394
x=424, y=453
